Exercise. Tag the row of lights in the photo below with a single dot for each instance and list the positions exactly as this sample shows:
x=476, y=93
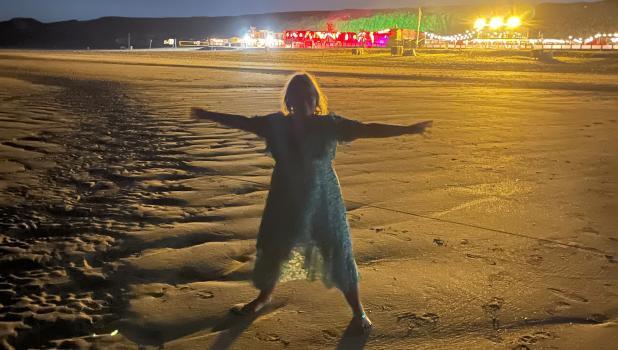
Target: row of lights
x=456, y=37
x=612, y=37
x=497, y=22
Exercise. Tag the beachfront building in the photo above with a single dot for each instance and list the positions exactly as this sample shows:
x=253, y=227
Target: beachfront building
x=262, y=38
x=320, y=39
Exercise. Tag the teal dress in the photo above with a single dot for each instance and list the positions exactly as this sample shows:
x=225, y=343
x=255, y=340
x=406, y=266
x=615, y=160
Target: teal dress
x=304, y=232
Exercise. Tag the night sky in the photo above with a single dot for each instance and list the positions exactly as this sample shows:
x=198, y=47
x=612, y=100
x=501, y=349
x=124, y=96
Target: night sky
x=57, y=10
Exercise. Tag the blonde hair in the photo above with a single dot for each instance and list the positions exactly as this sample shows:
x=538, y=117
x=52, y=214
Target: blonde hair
x=303, y=85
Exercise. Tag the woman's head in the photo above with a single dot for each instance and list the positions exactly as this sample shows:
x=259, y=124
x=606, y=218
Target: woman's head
x=302, y=96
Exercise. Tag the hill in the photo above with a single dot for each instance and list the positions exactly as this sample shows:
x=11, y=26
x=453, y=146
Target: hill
x=553, y=20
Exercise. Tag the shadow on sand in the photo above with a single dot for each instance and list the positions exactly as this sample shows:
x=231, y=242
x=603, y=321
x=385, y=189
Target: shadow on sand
x=353, y=338
x=230, y=328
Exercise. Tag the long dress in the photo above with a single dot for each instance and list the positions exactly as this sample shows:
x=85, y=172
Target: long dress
x=305, y=215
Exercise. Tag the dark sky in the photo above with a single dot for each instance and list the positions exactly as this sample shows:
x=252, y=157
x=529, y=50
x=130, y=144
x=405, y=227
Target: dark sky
x=56, y=10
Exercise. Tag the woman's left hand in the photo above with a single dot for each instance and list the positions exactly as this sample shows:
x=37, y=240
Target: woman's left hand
x=420, y=128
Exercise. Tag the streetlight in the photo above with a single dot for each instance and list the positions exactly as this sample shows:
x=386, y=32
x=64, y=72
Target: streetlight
x=480, y=23
x=496, y=22
x=513, y=22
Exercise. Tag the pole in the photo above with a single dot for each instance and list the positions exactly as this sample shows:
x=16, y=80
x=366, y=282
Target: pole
x=418, y=27
x=129, y=42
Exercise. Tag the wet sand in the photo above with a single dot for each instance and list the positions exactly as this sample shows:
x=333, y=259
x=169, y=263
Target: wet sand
x=120, y=212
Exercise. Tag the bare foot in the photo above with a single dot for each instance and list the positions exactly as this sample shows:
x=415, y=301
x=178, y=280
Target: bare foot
x=364, y=322
x=251, y=308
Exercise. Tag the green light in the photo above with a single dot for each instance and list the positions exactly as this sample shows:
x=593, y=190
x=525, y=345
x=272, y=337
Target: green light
x=403, y=20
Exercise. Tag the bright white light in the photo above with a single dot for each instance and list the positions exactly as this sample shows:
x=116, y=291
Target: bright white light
x=513, y=22
x=270, y=40
x=496, y=22
x=480, y=23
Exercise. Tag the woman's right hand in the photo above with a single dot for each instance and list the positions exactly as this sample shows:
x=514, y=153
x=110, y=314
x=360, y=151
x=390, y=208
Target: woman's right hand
x=197, y=112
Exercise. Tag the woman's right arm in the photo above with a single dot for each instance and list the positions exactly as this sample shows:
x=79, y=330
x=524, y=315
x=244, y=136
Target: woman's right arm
x=255, y=125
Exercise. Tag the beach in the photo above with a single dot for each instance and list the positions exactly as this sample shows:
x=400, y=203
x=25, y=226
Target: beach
x=120, y=212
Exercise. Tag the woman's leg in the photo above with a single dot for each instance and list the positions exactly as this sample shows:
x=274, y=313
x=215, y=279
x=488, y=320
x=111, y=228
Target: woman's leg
x=258, y=303
x=353, y=298
x=341, y=269
x=265, y=276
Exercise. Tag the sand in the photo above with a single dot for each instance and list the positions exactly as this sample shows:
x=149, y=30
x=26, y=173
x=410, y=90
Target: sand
x=120, y=212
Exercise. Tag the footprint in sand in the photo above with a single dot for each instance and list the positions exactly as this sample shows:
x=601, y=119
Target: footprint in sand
x=330, y=334
x=482, y=258
x=568, y=295
x=497, y=277
x=532, y=339
x=559, y=306
x=205, y=295
x=589, y=230
x=492, y=309
x=534, y=259
x=156, y=294
x=415, y=321
x=271, y=337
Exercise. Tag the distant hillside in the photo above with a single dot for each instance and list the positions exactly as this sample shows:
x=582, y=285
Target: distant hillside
x=553, y=20
x=580, y=19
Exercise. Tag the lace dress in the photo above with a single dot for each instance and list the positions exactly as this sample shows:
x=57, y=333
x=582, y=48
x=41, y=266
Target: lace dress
x=304, y=232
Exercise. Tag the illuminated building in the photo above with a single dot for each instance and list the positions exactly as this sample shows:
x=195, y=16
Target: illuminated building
x=262, y=38
x=319, y=39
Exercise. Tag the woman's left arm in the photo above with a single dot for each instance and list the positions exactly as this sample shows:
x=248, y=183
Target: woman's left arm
x=348, y=130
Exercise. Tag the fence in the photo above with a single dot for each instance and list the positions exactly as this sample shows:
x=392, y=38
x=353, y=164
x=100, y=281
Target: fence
x=522, y=46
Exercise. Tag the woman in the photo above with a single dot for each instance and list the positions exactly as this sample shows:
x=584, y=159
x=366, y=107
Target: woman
x=305, y=211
